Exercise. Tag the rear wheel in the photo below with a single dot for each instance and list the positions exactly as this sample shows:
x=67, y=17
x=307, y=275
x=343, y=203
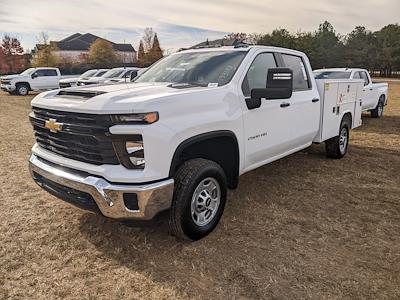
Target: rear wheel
x=378, y=111
x=337, y=147
x=199, y=199
x=22, y=89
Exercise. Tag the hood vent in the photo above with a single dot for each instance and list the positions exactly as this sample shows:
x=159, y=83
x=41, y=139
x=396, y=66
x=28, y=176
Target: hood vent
x=80, y=94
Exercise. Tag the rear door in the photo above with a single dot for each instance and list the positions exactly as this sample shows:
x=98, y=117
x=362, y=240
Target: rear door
x=52, y=79
x=266, y=130
x=305, y=103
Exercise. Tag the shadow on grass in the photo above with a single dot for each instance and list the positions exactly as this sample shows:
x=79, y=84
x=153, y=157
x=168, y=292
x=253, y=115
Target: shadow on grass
x=277, y=215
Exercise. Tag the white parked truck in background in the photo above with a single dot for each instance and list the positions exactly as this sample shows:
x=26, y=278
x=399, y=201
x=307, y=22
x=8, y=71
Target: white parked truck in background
x=73, y=81
x=184, y=131
x=375, y=95
x=32, y=79
x=116, y=73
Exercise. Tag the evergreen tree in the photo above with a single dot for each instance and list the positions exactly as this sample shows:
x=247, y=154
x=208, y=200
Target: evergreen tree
x=155, y=51
x=141, y=54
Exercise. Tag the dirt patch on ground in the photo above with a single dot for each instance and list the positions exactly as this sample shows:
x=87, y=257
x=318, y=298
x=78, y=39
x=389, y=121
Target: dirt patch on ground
x=302, y=227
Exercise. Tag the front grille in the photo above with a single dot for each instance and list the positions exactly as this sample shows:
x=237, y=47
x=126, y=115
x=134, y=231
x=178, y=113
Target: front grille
x=77, y=198
x=83, y=137
x=5, y=82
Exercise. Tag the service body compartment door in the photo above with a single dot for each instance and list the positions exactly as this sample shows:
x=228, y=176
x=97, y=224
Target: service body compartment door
x=338, y=97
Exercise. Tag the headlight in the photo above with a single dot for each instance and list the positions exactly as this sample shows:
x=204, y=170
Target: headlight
x=141, y=118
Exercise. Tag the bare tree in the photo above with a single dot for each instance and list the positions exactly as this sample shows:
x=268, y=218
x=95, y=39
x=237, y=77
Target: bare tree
x=148, y=38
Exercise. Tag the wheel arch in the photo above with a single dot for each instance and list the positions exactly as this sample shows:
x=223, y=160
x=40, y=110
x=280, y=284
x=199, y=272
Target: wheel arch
x=219, y=146
x=347, y=115
x=24, y=83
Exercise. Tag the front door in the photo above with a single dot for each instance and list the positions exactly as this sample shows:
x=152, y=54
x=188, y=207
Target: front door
x=368, y=92
x=266, y=130
x=39, y=80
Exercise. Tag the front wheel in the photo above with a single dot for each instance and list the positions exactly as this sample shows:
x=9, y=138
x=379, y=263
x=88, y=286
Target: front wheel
x=337, y=147
x=22, y=89
x=199, y=199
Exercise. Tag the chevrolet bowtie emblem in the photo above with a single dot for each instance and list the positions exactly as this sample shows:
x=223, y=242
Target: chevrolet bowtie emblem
x=53, y=126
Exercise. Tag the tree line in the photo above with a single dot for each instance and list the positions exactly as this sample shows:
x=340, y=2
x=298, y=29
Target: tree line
x=377, y=51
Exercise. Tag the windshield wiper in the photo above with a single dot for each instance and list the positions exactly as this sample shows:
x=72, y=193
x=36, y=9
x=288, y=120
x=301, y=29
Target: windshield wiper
x=182, y=85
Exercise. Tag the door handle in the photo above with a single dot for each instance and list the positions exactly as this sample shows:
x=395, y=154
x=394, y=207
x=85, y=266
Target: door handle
x=371, y=89
x=315, y=100
x=285, y=104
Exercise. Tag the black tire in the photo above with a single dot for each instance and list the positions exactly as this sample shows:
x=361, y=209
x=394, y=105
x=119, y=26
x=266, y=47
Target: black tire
x=22, y=89
x=378, y=111
x=334, y=147
x=187, y=179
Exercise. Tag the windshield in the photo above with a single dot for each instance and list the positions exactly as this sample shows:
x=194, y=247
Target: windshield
x=28, y=71
x=88, y=74
x=332, y=75
x=197, y=68
x=113, y=73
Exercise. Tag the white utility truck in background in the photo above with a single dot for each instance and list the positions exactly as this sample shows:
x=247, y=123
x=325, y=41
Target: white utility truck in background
x=32, y=79
x=375, y=95
x=184, y=131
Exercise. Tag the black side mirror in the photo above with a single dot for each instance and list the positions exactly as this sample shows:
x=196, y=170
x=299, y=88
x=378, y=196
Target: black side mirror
x=133, y=75
x=34, y=75
x=279, y=85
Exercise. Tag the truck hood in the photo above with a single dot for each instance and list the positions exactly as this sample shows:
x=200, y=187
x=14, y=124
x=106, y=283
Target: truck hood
x=115, y=98
x=70, y=79
x=10, y=77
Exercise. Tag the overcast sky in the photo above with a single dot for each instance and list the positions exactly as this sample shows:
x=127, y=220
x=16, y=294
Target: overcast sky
x=181, y=23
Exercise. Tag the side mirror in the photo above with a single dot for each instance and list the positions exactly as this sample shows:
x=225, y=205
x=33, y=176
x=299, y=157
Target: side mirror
x=133, y=75
x=34, y=75
x=279, y=85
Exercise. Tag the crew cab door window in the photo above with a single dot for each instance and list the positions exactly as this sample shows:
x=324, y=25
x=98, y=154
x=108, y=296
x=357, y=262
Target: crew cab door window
x=357, y=75
x=301, y=80
x=40, y=73
x=50, y=72
x=256, y=77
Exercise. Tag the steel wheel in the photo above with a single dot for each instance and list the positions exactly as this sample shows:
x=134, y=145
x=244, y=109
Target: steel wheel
x=22, y=90
x=380, y=109
x=343, y=140
x=205, y=201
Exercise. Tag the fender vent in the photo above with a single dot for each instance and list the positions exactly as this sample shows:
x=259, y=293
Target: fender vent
x=80, y=94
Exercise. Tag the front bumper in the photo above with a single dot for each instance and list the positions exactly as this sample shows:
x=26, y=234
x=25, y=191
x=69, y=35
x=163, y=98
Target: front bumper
x=108, y=197
x=7, y=87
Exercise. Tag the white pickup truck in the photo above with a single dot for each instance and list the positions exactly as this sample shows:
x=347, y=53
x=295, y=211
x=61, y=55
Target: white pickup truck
x=375, y=95
x=32, y=79
x=184, y=131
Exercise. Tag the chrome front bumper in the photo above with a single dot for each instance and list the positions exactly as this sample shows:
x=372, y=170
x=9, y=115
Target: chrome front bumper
x=109, y=198
x=7, y=87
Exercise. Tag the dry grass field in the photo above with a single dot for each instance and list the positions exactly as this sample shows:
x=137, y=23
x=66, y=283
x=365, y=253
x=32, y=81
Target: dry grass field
x=302, y=227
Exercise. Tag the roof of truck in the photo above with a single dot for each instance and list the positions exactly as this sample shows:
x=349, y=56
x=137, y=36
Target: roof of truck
x=242, y=48
x=339, y=70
